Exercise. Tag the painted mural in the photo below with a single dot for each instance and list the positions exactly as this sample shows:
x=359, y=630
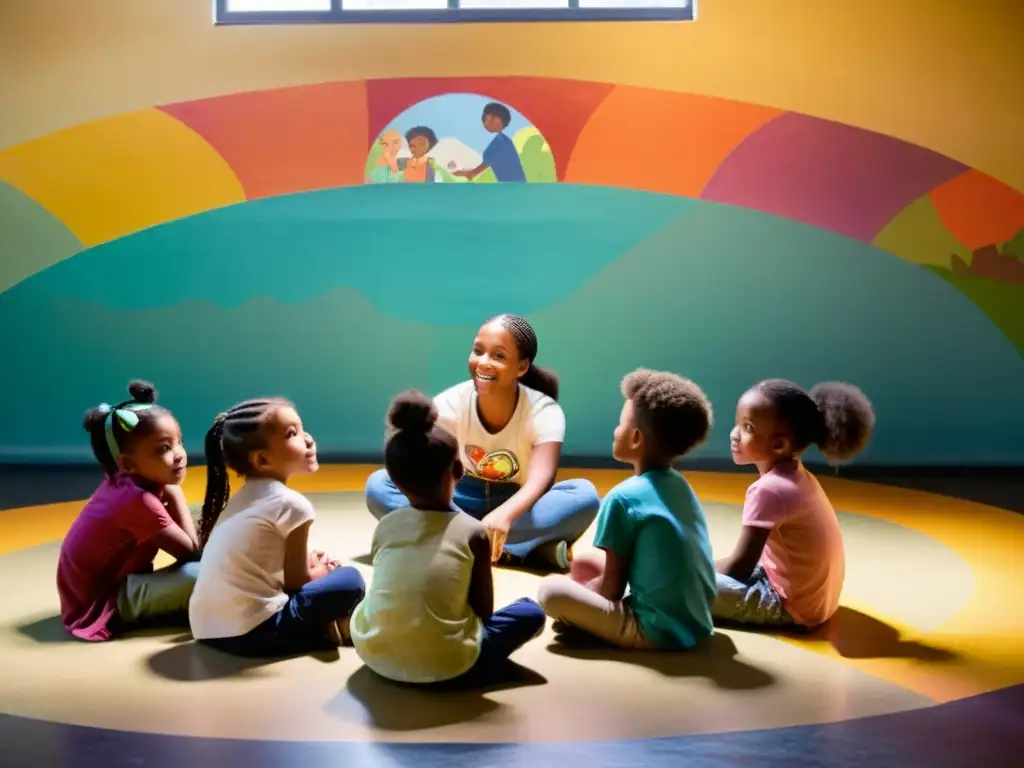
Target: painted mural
x=460, y=137
x=730, y=241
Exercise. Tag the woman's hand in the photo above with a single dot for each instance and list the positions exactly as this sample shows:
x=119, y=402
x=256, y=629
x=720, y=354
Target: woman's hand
x=497, y=524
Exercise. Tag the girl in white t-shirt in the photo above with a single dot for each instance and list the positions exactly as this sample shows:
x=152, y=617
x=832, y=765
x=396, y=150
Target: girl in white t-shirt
x=260, y=591
x=510, y=430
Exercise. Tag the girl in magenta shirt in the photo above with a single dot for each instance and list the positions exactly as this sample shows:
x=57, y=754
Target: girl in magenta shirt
x=788, y=567
x=105, y=575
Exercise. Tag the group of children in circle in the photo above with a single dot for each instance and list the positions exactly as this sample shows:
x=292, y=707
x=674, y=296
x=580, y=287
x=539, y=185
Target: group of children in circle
x=468, y=482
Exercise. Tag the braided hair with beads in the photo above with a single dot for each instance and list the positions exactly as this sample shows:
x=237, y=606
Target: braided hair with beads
x=235, y=434
x=543, y=380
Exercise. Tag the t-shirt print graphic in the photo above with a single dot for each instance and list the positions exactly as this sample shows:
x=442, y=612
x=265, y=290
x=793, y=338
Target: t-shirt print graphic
x=497, y=466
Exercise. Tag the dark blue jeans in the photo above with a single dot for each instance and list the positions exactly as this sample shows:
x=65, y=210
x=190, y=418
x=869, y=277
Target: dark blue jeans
x=508, y=630
x=561, y=514
x=301, y=626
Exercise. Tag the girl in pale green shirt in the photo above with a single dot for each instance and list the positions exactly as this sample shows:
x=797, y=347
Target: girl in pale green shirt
x=428, y=616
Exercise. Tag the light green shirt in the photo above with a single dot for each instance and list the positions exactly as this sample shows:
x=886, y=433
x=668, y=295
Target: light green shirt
x=415, y=624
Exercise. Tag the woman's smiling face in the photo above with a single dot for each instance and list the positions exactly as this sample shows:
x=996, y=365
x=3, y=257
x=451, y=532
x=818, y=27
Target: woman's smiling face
x=494, y=361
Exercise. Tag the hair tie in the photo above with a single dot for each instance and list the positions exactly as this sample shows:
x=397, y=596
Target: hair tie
x=128, y=419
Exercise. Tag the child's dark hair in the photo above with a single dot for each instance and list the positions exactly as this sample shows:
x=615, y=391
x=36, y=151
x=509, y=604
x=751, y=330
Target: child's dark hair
x=418, y=452
x=426, y=133
x=234, y=435
x=672, y=412
x=543, y=380
x=836, y=417
x=499, y=111
x=110, y=429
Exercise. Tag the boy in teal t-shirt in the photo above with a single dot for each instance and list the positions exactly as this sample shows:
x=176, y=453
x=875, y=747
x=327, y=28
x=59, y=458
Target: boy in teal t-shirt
x=651, y=536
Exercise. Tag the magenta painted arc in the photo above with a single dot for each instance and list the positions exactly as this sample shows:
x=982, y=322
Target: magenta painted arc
x=827, y=174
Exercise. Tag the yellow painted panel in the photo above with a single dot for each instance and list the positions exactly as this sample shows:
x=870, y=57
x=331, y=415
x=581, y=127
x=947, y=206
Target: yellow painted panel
x=933, y=72
x=110, y=177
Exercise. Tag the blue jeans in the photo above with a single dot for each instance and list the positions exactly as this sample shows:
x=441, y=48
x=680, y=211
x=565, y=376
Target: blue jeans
x=508, y=630
x=754, y=601
x=301, y=626
x=561, y=514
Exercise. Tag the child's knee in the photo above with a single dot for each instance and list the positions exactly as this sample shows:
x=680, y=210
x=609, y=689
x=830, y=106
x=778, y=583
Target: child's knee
x=553, y=595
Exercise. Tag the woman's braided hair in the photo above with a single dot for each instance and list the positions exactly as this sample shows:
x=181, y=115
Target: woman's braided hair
x=234, y=435
x=543, y=380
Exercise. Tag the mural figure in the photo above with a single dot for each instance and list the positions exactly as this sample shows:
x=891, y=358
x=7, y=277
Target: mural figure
x=459, y=138
x=501, y=155
x=385, y=168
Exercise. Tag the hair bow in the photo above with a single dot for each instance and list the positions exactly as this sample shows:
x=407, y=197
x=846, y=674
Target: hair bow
x=127, y=417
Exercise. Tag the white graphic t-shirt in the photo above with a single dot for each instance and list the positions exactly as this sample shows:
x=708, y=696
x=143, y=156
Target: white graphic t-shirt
x=504, y=456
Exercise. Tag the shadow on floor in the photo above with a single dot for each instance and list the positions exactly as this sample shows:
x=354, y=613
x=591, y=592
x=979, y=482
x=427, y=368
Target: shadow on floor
x=714, y=659
x=50, y=630
x=195, y=662
x=398, y=707
x=856, y=635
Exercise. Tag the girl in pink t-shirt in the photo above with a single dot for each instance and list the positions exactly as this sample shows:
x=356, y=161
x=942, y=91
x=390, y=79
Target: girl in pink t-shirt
x=105, y=576
x=788, y=566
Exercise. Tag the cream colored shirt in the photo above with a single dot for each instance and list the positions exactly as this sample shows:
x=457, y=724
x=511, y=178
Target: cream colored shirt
x=241, y=575
x=415, y=624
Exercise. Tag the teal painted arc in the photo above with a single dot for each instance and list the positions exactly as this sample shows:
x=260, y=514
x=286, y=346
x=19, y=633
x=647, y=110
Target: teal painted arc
x=31, y=238
x=724, y=295
x=441, y=254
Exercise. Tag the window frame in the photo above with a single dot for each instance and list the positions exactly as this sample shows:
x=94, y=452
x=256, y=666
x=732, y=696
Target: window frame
x=338, y=15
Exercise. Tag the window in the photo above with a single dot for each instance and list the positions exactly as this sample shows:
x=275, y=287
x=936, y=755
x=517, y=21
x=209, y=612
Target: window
x=440, y=11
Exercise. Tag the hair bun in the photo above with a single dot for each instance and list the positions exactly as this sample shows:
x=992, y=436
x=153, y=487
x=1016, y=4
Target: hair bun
x=93, y=418
x=849, y=420
x=412, y=411
x=142, y=391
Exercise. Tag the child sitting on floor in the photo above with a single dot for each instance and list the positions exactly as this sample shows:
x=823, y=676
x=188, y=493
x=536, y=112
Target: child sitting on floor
x=429, y=614
x=788, y=566
x=260, y=591
x=651, y=532
x=105, y=576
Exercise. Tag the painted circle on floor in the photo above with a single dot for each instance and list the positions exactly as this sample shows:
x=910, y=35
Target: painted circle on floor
x=738, y=681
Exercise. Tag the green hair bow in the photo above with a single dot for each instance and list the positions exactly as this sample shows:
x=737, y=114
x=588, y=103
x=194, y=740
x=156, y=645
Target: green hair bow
x=127, y=417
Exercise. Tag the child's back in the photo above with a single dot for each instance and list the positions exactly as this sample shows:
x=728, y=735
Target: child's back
x=241, y=583
x=671, y=573
x=415, y=624
x=112, y=537
x=803, y=557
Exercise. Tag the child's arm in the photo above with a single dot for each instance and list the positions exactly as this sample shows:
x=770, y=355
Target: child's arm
x=481, y=584
x=763, y=509
x=176, y=543
x=744, y=558
x=178, y=509
x=296, y=558
x=611, y=584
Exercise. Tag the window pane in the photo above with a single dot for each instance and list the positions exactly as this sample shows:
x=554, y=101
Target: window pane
x=279, y=5
x=513, y=4
x=634, y=4
x=393, y=5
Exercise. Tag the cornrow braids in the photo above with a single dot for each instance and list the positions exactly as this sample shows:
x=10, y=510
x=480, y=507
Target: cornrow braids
x=232, y=437
x=543, y=380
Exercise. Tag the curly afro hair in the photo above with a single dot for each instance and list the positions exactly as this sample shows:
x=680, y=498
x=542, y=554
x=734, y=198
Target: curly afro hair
x=835, y=416
x=672, y=412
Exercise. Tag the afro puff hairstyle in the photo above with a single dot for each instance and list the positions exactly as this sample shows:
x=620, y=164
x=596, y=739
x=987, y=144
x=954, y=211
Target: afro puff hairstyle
x=835, y=416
